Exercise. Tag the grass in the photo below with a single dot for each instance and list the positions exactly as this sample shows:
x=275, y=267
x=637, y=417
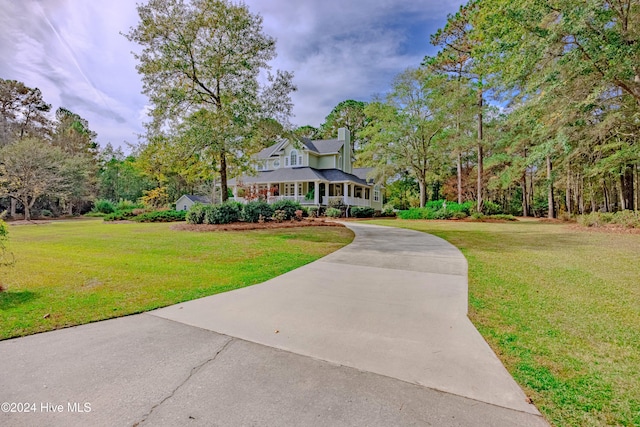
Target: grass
x=561, y=308
x=74, y=272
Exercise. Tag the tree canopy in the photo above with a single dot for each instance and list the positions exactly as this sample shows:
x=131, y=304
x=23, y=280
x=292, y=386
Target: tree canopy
x=200, y=64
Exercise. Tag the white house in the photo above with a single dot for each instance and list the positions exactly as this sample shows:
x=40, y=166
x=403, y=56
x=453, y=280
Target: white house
x=185, y=201
x=310, y=172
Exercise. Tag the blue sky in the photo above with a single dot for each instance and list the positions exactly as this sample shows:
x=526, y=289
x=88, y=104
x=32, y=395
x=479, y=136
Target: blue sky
x=73, y=51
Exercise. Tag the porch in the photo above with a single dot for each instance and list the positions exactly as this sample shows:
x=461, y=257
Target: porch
x=308, y=193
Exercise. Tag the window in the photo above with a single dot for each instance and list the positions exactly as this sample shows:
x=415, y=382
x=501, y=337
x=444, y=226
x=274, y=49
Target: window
x=276, y=163
x=376, y=194
x=293, y=158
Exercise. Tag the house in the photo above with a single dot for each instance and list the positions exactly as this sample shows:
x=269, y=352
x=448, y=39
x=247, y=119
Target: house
x=185, y=201
x=310, y=172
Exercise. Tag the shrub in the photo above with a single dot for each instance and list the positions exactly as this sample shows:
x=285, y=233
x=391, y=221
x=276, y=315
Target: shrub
x=161, y=216
x=128, y=205
x=119, y=216
x=337, y=203
x=388, y=210
x=334, y=212
x=225, y=213
x=279, y=215
x=104, y=206
x=490, y=208
x=253, y=210
x=361, y=212
x=313, y=211
x=299, y=215
x=413, y=213
x=458, y=215
x=627, y=219
x=196, y=214
x=288, y=206
x=46, y=213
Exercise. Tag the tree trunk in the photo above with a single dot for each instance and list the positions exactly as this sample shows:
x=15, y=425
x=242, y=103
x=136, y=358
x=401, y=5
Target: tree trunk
x=459, y=169
x=223, y=176
x=606, y=196
x=636, y=206
x=12, y=212
x=480, y=155
x=551, y=209
x=626, y=182
x=525, y=196
x=423, y=192
x=27, y=209
x=567, y=198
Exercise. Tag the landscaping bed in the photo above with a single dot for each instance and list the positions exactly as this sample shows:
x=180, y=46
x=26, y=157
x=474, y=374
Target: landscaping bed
x=244, y=226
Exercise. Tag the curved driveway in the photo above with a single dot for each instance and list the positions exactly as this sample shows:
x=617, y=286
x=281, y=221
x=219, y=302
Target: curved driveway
x=373, y=334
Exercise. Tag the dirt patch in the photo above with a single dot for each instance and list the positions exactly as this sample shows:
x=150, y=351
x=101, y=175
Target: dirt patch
x=243, y=226
x=32, y=222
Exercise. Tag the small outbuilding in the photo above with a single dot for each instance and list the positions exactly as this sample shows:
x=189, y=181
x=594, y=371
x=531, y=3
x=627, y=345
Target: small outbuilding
x=185, y=201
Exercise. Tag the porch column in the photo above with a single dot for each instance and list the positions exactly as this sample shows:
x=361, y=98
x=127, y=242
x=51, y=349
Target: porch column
x=345, y=193
x=295, y=190
x=268, y=190
x=316, y=193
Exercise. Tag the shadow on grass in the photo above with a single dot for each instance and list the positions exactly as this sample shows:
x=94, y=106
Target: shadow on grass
x=9, y=300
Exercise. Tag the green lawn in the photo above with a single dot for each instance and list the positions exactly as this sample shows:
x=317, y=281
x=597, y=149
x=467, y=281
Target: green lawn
x=74, y=272
x=561, y=308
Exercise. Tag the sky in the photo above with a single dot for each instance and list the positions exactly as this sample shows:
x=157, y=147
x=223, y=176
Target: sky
x=74, y=52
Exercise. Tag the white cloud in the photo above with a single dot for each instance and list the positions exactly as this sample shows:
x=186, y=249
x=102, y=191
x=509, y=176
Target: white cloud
x=74, y=52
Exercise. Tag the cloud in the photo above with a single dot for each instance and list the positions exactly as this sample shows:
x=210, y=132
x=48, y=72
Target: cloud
x=74, y=52
x=340, y=50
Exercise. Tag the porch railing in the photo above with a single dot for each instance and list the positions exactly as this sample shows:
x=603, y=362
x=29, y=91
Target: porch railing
x=350, y=201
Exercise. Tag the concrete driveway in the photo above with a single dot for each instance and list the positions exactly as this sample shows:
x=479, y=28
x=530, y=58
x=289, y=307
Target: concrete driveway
x=375, y=334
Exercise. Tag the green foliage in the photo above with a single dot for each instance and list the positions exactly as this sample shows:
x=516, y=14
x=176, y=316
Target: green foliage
x=361, y=212
x=160, y=216
x=203, y=118
x=490, y=208
x=438, y=209
x=333, y=213
x=225, y=213
x=104, y=206
x=119, y=216
x=5, y=257
x=127, y=205
x=195, y=215
x=253, y=211
x=288, y=206
x=313, y=211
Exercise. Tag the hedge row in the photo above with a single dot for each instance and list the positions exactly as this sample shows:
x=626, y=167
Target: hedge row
x=230, y=211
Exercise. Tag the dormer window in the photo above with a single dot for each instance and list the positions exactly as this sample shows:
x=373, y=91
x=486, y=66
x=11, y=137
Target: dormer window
x=293, y=158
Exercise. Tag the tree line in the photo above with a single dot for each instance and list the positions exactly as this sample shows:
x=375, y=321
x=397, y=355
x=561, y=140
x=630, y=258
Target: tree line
x=534, y=105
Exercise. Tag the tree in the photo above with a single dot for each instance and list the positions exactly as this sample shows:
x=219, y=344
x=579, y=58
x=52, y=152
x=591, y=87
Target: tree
x=73, y=136
x=119, y=176
x=23, y=112
x=406, y=130
x=347, y=114
x=29, y=169
x=200, y=63
x=457, y=57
